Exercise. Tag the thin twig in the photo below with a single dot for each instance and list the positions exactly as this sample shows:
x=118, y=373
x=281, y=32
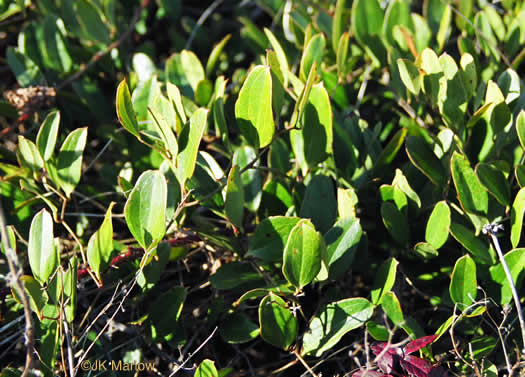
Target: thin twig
x=16, y=272
x=179, y=367
x=491, y=230
x=201, y=21
x=300, y=358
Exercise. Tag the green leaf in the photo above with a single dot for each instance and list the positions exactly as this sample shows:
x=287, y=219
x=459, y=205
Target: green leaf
x=302, y=254
x=303, y=97
x=346, y=202
x=395, y=222
x=143, y=66
x=516, y=217
x=472, y=197
x=438, y=225
x=367, y=25
x=176, y=100
x=29, y=155
x=69, y=160
x=516, y=262
x=142, y=97
x=100, y=245
x=342, y=55
x=398, y=13
x=206, y=369
x=409, y=75
x=281, y=55
x=253, y=108
x=401, y=182
x=519, y=173
x=41, y=248
x=479, y=249
x=494, y=182
x=54, y=49
x=165, y=312
x=26, y=71
x=185, y=70
x=429, y=63
x=270, y=237
x=313, y=52
x=145, y=209
x=425, y=160
x=164, y=121
x=320, y=203
x=215, y=54
x=12, y=240
x=47, y=135
x=221, y=126
x=234, y=200
x=520, y=127
x=425, y=250
x=334, y=321
x=235, y=274
x=392, y=308
x=342, y=244
x=38, y=297
x=251, y=179
x=126, y=114
x=278, y=325
x=338, y=23
x=384, y=280
x=463, y=284
x=189, y=141
x=238, y=328
x=90, y=19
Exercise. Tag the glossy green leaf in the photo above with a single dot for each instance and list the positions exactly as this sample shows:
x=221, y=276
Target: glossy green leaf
x=175, y=98
x=251, y=179
x=90, y=20
x=29, y=155
x=516, y=217
x=316, y=134
x=478, y=248
x=270, y=237
x=401, y=182
x=342, y=55
x=472, y=197
x=367, y=25
x=145, y=209
x=463, y=283
x=38, y=297
x=313, y=52
x=425, y=160
x=384, y=280
x=54, y=49
x=303, y=97
x=142, y=98
x=429, y=63
x=125, y=112
x=189, y=141
x=47, y=135
x=235, y=274
x=516, y=262
x=425, y=250
x=468, y=73
x=281, y=55
x=302, y=254
x=520, y=127
x=234, y=200
x=335, y=320
x=143, y=66
x=238, y=328
x=206, y=369
x=69, y=160
x=346, y=202
x=320, y=203
x=185, y=70
x=342, y=245
x=221, y=127
x=11, y=238
x=397, y=13
x=203, y=92
x=41, y=248
x=26, y=71
x=494, y=182
x=395, y=222
x=392, y=308
x=519, y=173
x=253, y=108
x=100, y=245
x=438, y=225
x=164, y=122
x=215, y=54
x=409, y=75
x=394, y=195
x=278, y=325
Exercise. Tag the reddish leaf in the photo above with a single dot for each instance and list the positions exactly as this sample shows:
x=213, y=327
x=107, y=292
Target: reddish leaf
x=415, y=366
x=369, y=373
x=438, y=372
x=389, y=360
x=419, y=343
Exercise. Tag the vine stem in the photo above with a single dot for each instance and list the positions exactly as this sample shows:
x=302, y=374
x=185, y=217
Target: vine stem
x=491, y=231
x=16, y=271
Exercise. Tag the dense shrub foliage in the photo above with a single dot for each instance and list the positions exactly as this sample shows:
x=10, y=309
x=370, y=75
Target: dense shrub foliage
x=241, y=188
